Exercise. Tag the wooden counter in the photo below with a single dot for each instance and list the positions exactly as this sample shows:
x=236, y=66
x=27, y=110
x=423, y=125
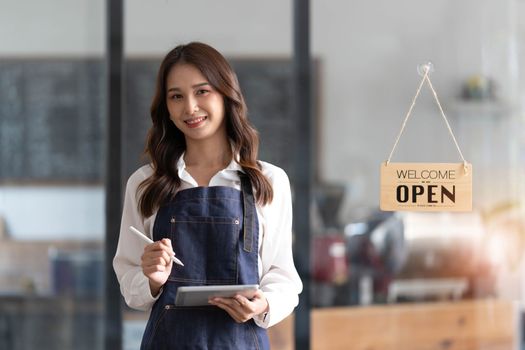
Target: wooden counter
x=462, y=325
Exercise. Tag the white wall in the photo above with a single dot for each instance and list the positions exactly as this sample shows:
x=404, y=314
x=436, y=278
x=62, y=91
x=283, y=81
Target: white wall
x=52, y=28
x=234, y=27
x=61, y=27
x=368, y=50
x=50, y=212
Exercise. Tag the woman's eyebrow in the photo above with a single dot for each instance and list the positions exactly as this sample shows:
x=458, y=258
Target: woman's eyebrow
x=193, y=86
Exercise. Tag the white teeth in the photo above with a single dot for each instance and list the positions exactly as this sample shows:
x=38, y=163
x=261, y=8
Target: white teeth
x=195, y=120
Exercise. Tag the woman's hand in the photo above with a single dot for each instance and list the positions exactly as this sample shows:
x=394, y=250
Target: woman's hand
x=157, y=264
x=242, y=309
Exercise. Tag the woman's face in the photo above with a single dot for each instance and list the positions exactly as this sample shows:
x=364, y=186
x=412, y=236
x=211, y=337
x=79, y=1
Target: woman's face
x=196, y=108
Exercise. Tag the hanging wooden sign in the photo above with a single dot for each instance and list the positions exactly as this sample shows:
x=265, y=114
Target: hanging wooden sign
x=426, y=186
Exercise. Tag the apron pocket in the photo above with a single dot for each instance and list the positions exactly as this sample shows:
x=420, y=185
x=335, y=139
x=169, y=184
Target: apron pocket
x=201, y=328
x=207, y=246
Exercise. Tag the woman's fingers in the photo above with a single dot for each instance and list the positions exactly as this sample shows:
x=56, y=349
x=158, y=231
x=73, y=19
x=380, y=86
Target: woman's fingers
x=245, y=304
x=232, y=308
x=240, y=308
x=157, y=259
x=164, y=244
x=153, y=268
x=158, y=253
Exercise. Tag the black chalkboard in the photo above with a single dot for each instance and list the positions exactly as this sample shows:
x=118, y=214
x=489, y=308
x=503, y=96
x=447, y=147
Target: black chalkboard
x=267, y=88
x=51, y=120
x=52, y=115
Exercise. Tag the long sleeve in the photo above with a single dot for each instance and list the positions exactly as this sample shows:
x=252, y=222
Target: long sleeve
x=279, y=280
x=134, y=285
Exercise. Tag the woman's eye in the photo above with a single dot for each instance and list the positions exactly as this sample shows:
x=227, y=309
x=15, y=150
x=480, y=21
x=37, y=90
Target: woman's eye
x=202, y=92
x=176, y=97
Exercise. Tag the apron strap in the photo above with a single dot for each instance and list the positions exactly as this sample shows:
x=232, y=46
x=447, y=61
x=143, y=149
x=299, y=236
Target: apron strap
x=249, y=207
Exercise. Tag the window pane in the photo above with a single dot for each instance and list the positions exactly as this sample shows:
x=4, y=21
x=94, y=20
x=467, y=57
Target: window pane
x=52, y=129
x=405, y=268
x=260, y=55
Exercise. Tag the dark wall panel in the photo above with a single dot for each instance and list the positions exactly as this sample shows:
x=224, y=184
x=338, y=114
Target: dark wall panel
x=52, y=115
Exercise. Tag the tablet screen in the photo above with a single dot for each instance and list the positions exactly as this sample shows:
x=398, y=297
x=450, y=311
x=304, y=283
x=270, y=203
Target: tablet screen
x=199, y=295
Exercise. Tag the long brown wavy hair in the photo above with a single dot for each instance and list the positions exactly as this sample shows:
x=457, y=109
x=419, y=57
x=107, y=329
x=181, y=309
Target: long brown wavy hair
x=166, y=143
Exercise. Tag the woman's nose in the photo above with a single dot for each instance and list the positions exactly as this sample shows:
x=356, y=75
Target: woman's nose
x=191, y=106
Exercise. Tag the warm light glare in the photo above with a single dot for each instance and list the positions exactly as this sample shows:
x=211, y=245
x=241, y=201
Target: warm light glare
x=443, y=225
x=495, y=247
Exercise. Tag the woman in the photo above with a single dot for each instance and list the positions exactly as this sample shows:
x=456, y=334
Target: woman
x=206, y=198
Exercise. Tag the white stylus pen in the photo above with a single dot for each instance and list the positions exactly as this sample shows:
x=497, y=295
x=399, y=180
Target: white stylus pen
x=147, y=240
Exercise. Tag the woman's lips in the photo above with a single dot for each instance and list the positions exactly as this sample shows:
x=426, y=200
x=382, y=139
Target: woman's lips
x=195, y=122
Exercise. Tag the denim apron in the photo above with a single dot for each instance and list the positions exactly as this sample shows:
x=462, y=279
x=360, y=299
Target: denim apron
x=215, y=232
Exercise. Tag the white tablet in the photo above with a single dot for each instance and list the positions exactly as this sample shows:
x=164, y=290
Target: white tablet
x=199, y=295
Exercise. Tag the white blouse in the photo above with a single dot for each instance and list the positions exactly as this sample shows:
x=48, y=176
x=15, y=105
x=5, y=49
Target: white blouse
x=278, y=278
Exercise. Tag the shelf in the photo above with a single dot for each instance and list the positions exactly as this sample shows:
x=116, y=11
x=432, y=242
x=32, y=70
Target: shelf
x=472, y=108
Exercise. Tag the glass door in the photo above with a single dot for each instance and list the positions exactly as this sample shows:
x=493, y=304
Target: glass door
x=261, y=56
x=406, y=279
x=52, y=133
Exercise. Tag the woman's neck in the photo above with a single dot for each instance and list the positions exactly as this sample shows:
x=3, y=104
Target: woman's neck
x=204, y=159
x=208, y=154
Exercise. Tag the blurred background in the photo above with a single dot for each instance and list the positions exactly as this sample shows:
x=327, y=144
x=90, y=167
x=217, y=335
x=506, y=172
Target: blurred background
x=373, y=275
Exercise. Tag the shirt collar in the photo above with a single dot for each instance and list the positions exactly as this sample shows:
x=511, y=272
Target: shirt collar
x=233, y=167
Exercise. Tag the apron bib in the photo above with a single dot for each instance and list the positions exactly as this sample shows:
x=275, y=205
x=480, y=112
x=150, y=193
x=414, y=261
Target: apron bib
x=215, y=232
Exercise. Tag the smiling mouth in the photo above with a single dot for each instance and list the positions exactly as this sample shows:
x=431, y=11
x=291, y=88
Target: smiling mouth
x=195, y=121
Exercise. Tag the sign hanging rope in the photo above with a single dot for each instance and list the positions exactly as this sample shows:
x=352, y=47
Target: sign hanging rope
x=426, y=68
